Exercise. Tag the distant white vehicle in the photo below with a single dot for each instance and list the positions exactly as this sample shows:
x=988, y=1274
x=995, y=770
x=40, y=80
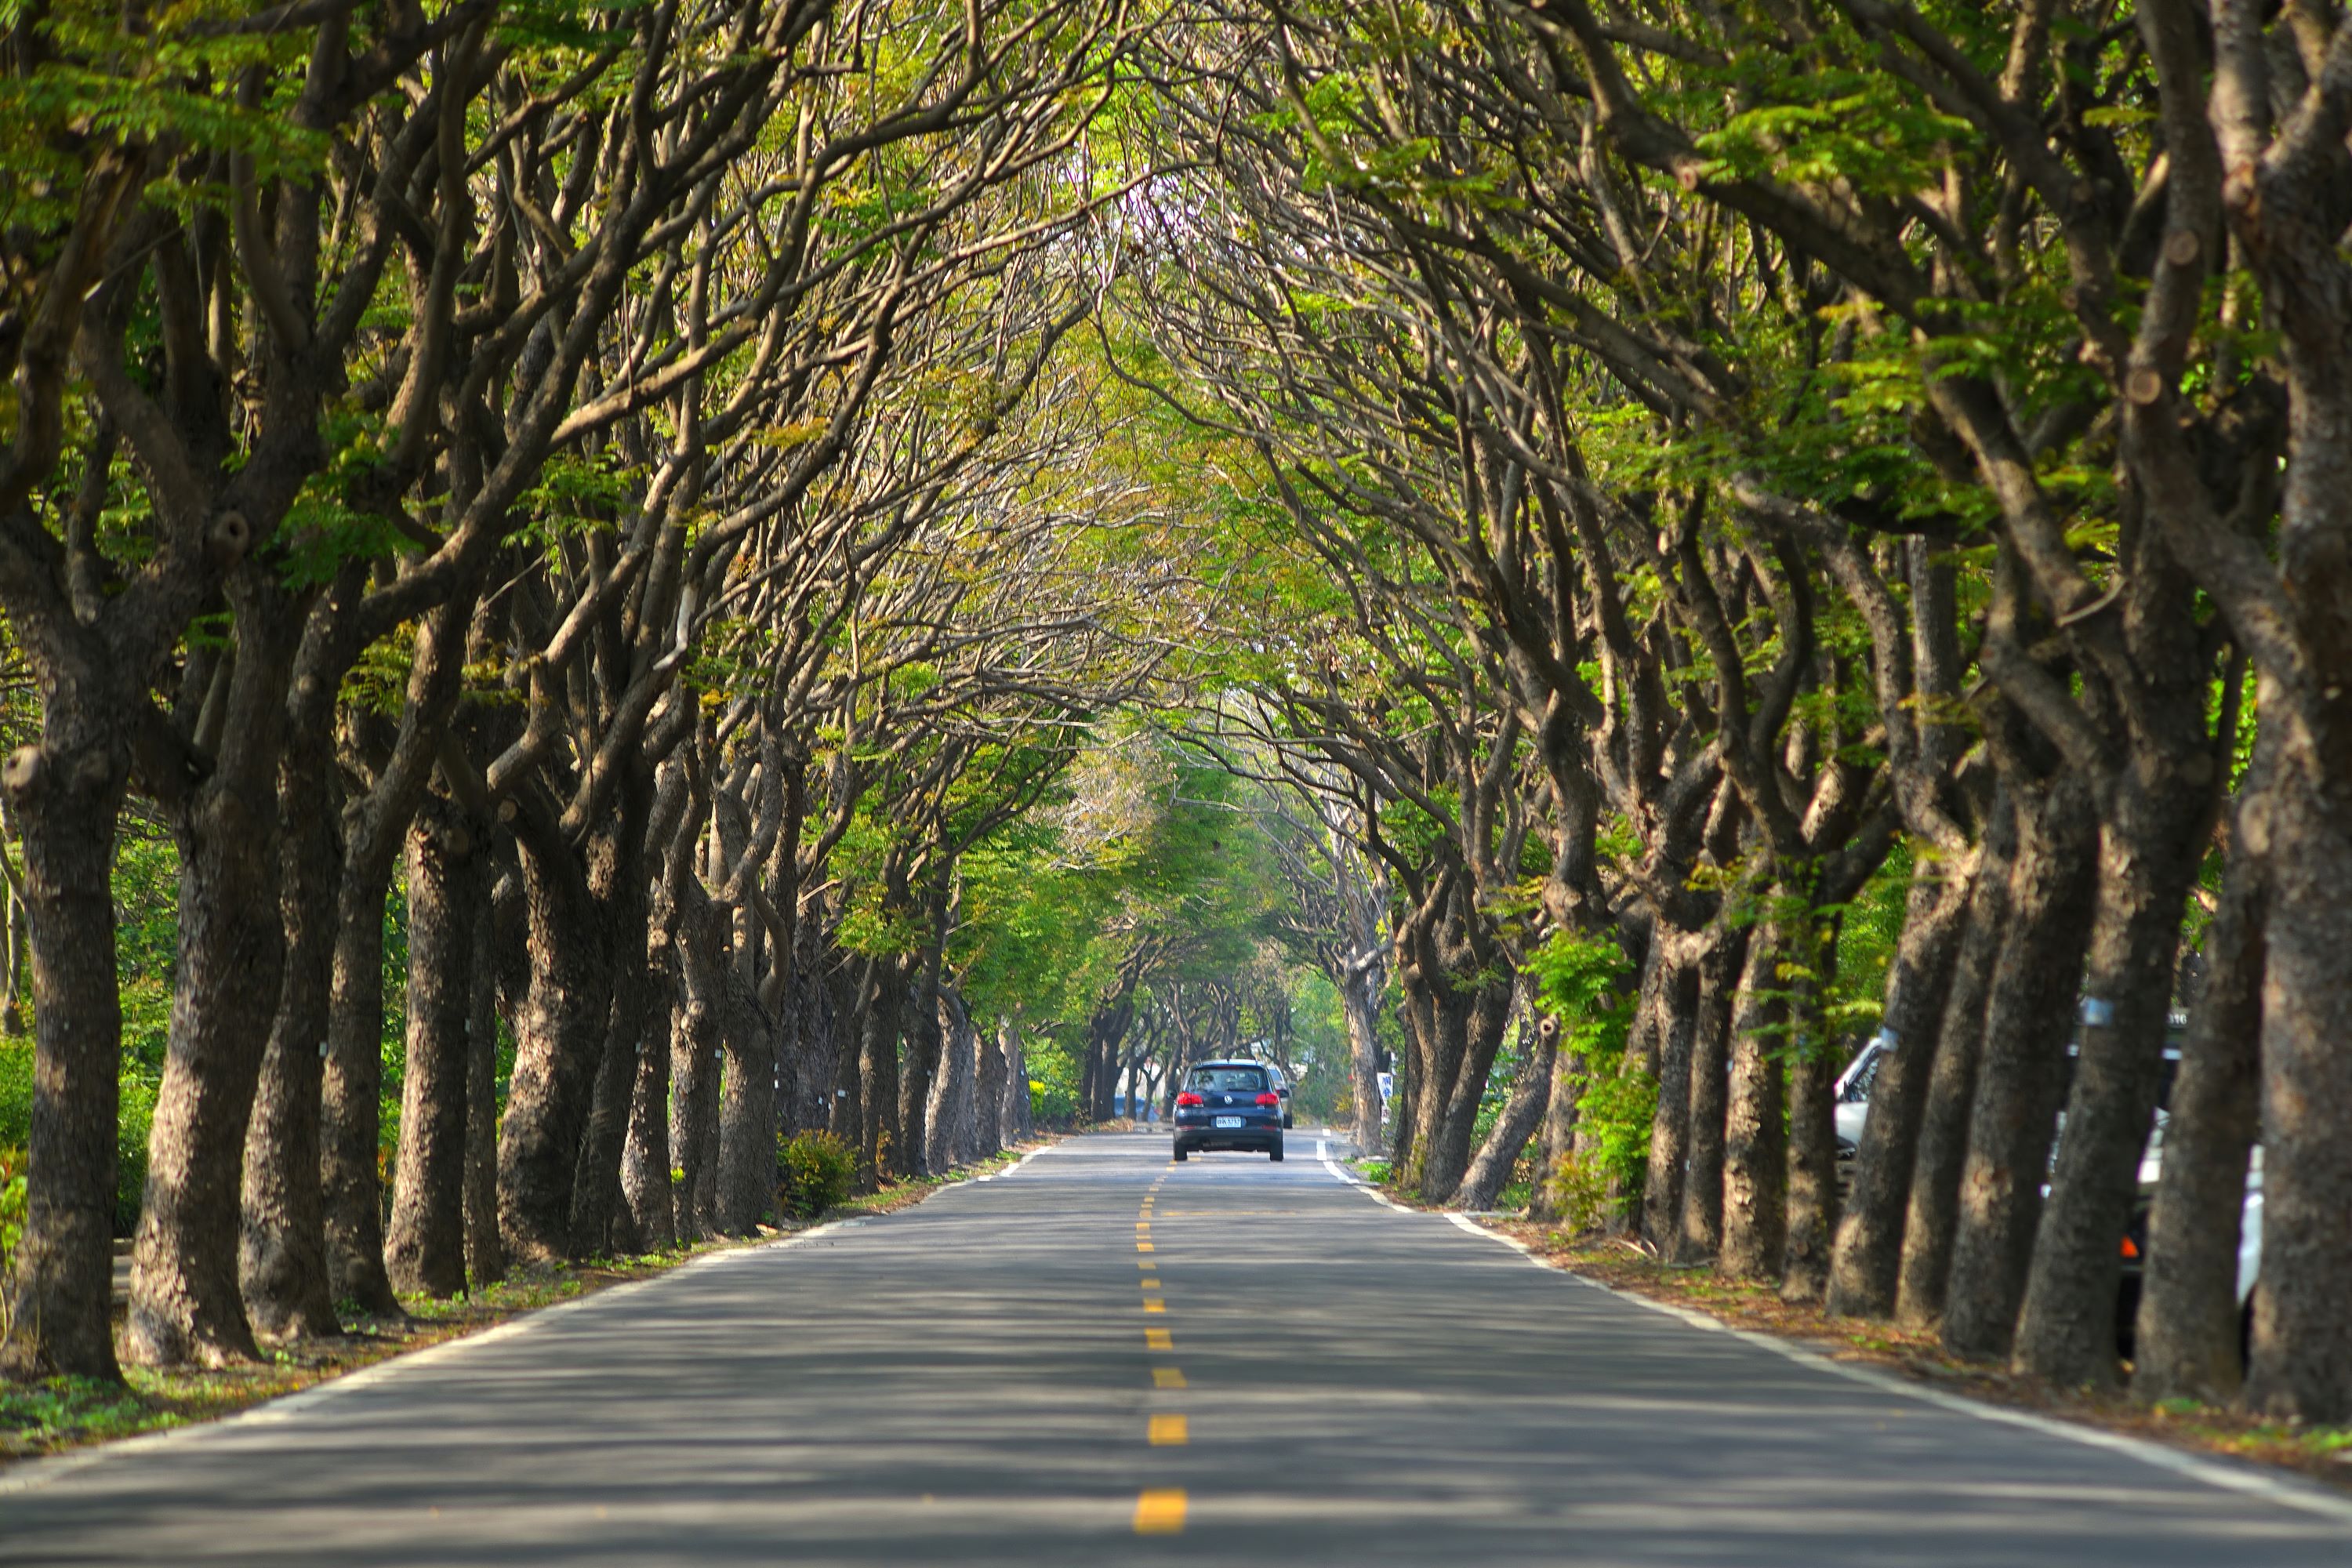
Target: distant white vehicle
x=1854, y=1092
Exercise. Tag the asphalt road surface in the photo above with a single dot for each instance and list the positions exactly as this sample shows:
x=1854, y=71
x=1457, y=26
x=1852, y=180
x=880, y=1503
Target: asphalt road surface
x=1106, y=1358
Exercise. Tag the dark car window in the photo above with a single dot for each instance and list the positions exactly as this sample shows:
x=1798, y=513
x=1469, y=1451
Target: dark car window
x=1229, y=1080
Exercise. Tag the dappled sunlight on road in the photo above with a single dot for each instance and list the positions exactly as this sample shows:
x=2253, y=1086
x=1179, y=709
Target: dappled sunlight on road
x=978, y=1380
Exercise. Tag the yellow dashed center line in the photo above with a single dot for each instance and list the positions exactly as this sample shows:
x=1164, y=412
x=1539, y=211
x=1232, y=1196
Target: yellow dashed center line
x=1160, y=1512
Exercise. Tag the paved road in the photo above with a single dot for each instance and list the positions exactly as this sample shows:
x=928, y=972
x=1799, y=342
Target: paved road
x=1104, y=1358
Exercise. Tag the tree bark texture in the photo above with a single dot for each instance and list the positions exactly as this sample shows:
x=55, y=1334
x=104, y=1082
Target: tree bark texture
x=1865, y=1273
x=448, y=885
x=646, y=1184
x=66, y=793
x=1755, y=1142
x=1700, y=1226
x=2186, y=1342
x=1523, y=1112
x=1359, y=1004
x=1676, y=1029
x=559, y=1046
x=1486, y=1015
x=2149, y=845
x=2029, y=1015
x=1931, y=1214
x=486, y=1257
x=185, y=1304
x=282, y=1255
x=349, y=1177
x=2301, y=822
x=744, y=1123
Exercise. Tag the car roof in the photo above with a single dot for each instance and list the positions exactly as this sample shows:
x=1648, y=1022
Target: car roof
x=1233, y=1062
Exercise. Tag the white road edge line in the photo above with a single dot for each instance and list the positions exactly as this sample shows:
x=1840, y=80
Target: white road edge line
x=994, y=1175
x=2308, y=1497
x=1351, y=1179
x=30, y=1475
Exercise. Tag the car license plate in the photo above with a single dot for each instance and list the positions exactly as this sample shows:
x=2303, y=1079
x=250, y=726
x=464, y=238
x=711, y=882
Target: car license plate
x=1226, y=1122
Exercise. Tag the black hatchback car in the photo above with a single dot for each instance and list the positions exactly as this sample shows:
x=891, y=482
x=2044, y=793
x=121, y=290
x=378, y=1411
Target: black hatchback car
x=1229, y=1105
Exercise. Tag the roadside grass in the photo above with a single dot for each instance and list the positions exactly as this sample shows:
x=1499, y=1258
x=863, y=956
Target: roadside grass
x=2324, y=1454
x=64, y=1413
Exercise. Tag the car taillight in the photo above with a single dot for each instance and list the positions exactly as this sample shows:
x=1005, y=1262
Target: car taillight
x=2131, y=1248
x=1188, y=1098
x=1269, y=1101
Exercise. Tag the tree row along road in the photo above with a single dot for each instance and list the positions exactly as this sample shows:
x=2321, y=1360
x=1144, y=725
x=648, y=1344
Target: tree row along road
x=590, y=589
x=1105, y=1357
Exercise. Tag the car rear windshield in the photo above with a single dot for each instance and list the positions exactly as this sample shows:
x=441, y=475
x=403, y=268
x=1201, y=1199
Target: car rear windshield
x=1229, y=1080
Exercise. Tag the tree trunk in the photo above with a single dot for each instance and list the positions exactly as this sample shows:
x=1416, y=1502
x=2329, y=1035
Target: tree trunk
x=926, y=1043
x=1676, y=1029
x=1441, y=1040
x=185, y=1304
x=66, y=793
x=282, y=1253
x=2301, y=822
x=939, y=1106
x=350, y=1176
x=1931, y=1216
x=1558, y=1142
x=1360, y=1003
x=845, y=1115
x=559, y=1046
x=743, y=1123
x=645, y=1159
x=2148, y=851
x=1700, y=1232
x=2187, y=1339
x=877, y=1071
x=1531, y=1097
x=600, y=1223
x=486, y=1257
x=1483, y=1022
x=1864, y=1275
x=990, y=1078
x=1755, y=1142
x=2027, y=1021
x=1813, y=1204
x=448, y=885
x=1020, y=1121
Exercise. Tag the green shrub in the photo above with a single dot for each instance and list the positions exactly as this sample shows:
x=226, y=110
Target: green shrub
x=135, y=1118
x=133, y=1121
x=12, y=1219
x=818, y=1169
x=1581, y=981
x=15, y=1090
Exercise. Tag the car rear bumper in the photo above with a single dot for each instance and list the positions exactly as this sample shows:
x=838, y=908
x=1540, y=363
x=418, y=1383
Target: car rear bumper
x=1259, y=1139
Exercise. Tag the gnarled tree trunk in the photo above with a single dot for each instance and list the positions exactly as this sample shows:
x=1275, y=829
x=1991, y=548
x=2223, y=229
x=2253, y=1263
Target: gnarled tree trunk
x=448, y=885
x=2028, y=1017
x=66, y=793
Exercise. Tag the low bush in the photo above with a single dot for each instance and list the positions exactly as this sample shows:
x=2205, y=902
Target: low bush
x=12, y=1222
x=817, y=1171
